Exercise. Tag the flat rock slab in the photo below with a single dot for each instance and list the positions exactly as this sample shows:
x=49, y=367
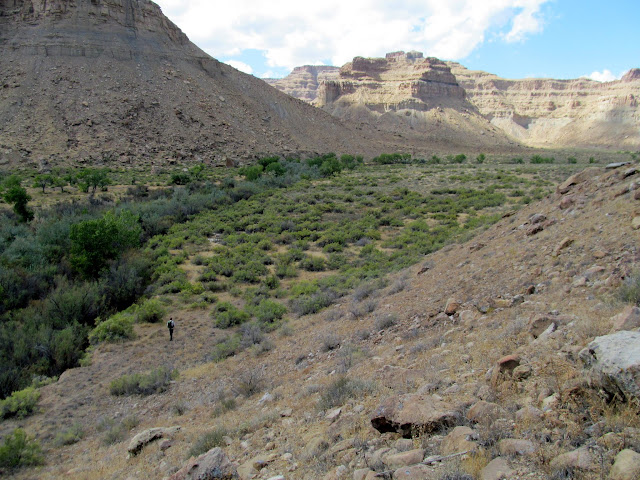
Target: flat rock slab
x=413, y=413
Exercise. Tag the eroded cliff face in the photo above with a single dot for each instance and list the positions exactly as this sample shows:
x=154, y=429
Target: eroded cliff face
x=407, y=93
x=410, y=96
x=115, y=80
x=303, y=82
x=558, y=113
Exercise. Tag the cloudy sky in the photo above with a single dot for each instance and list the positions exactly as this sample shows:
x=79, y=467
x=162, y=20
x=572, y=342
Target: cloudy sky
x=512, y=38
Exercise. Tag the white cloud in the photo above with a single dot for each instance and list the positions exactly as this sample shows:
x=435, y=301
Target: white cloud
x=243, y=67
x=604, y=76
x=292, y=33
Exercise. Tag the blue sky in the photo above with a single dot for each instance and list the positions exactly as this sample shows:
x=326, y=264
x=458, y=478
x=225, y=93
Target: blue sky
x=511, y=38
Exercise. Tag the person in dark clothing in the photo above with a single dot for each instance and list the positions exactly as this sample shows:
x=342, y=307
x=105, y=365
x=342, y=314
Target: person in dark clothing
x=171, y=325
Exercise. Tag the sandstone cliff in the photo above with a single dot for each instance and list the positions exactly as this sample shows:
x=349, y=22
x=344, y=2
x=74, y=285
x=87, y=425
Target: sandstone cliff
x=406, y=93
x=116, y=80
x=303, y=82
x=558, y=113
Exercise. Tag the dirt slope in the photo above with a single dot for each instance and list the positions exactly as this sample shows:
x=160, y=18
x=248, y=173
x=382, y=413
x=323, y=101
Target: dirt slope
x=116, y=81
x=565, y=263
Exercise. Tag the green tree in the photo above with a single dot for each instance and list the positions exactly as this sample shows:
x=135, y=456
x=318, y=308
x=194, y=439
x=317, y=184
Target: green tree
x=96, y=242
x=93, y=178
x=19, y=197
x=42, y=181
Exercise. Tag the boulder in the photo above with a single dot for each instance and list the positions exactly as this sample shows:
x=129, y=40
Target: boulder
x=537, y=218
x=564, y=243
x=485, y=412
x=452, y=306
x=539, y=323
x=628, y=319
x=213, y=465
x=142, y=439
x=580, y=459
x=514, y=446
x=504, y=368
x=566, y=202
x=404, y=459
x=635, y=223
x=626, y=466
x=613, y=364
x=522, y=372
x=497, y=469
x=413, y=413
x=417, y=472
x=460, y=439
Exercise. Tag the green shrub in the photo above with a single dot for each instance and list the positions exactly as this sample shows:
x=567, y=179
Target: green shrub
x=71, y=435
x=227, y=315
x=342, y=389
x=19, y=450
x=116, y=328
x=308, y=304
x=20, y=404
x=312, y=263
x=226, y=347
x=538, y=159
x=151, y=311
x=156, y=381
x=629, y=291
x=207, y=441
x=268, y=311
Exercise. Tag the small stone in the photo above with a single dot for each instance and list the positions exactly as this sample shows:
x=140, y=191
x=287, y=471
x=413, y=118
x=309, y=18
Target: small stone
x=635, y=223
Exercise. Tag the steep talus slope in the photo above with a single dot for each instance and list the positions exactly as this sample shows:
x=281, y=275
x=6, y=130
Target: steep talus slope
x=558, y=113
x=113, y=79
x=555, y=264
x=415, y=98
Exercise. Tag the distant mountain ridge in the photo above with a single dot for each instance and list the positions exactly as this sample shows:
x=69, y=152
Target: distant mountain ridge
x=537, y=112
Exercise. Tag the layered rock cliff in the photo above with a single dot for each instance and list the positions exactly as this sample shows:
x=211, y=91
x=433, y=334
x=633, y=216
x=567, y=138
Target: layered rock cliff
x=406, y=93
x=413, y=97
x=303, y=82
x=115, y=79
x=551, y=113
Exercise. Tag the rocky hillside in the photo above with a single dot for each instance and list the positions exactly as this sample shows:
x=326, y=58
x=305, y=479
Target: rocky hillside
x=406, y=93
x=499, y=357
x=115, y=80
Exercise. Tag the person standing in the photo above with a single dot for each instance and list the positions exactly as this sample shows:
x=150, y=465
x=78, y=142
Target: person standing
x=171, y=325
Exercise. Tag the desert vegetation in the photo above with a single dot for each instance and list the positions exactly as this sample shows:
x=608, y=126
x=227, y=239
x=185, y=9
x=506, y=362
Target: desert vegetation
x=252, y=248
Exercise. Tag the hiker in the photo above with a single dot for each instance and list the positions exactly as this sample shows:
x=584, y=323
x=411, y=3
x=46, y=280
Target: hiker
x=170, y=325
